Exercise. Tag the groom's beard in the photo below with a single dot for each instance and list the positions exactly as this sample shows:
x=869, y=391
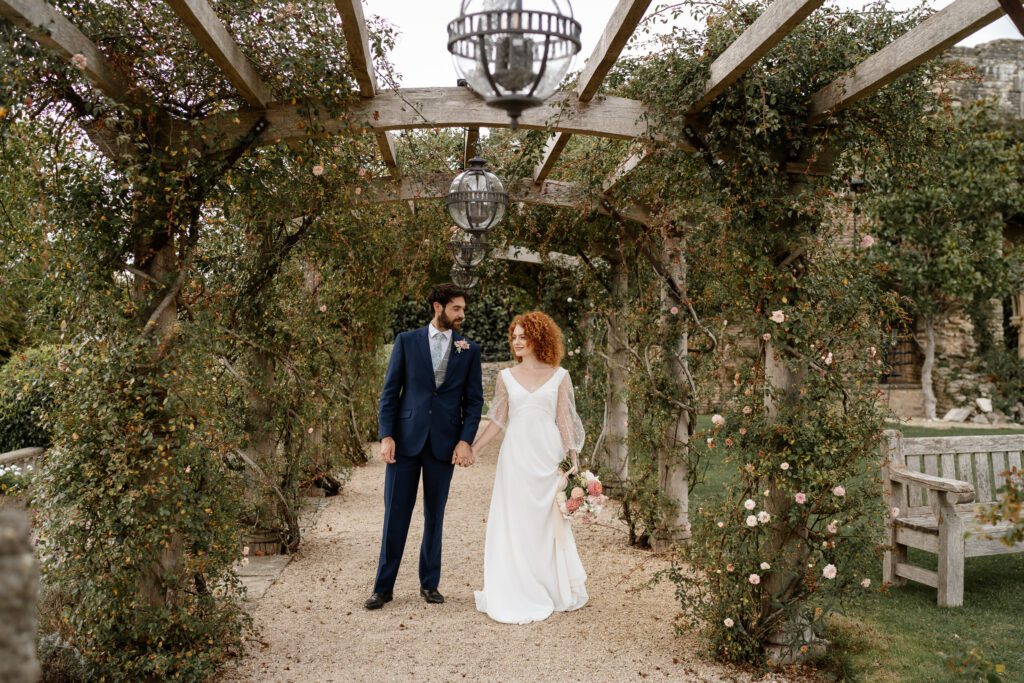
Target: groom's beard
x=449, y=323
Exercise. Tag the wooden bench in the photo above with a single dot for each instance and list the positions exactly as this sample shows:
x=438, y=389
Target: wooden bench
x=934, y=487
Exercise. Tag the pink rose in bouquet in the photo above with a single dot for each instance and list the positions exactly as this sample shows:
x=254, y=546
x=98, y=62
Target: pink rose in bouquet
x=573, y=504
x=594, y=487
x=581, y=495
x=577, y=493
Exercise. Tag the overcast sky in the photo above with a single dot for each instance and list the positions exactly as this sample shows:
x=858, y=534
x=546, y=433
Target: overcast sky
x=421, y=55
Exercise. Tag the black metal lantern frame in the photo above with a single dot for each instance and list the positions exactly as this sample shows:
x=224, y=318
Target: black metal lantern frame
x=515, y=58
x=477, y=200
x=468, y=250
x=464, y=277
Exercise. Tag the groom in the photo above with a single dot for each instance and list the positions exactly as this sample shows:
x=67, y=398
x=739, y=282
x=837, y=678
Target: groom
x=429, y=412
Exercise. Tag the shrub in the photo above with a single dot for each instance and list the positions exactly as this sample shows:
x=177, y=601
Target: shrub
x=26, y=396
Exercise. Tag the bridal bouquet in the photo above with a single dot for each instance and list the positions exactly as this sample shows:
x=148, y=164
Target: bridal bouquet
x=583, y=497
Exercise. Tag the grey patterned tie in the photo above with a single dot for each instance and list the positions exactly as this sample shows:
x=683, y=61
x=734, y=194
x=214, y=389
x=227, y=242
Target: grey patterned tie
x=437, y=350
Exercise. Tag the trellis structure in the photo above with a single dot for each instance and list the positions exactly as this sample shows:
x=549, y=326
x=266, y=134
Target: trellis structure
x=575, y=112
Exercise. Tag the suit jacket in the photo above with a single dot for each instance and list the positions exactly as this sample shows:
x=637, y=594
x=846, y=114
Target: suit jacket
x=413, y=409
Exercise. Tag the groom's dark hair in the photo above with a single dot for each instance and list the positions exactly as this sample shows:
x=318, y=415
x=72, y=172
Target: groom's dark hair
x=444, y=293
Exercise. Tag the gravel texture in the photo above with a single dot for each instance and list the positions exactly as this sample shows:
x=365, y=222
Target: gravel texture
x=312, y=625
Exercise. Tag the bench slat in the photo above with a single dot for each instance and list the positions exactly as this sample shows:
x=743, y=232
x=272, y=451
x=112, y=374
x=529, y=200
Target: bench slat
x=925, y=576
x=949, y=466
x=915, y=494
x=931, y=466
x=998, y=467
x=960, y=444
x=983, y=487
x=964, y=468
x=1014, y=459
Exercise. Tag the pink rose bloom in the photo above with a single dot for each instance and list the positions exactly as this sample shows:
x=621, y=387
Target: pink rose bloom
x=754, y=579
x=833, y=527
x=765, y=566
x=573, y=504
x=79, y=61
x=578, y=493
x=749, y=504
x=866, y=583
x=867, y=241
x=767, y=336
x=674, y=310
x=763, y=517
x=828, y=358
x=800, y=498
x=751, y=520
x=721, y=524
x=895, y=512
x=839, y=491
x=318, y=170
x=717, y=420
x=747, y=410
x=830, y=571
x=778, y=317
x=784, y=466
x=728, y=622
x=594, y=488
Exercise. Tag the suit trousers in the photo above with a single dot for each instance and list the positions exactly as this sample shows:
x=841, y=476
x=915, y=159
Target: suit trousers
x=401, y=484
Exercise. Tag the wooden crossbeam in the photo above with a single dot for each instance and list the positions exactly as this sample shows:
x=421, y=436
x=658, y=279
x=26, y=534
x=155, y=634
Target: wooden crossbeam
x=915, y=47
x=621, y=26
x=627, y=165
x=1015, y=10
x=51, y=29
x=525, y=255
x=549, y=193
x=214, y=39
x=766, y=32
x=416, y=108
x=357, y=39
x=469, y=150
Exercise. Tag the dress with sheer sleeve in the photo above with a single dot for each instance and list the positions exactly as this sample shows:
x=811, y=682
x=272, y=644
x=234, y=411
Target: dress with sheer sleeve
x=498, y=414
x=570, y=426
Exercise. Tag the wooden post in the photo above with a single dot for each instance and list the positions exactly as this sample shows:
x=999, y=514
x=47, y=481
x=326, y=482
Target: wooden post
x=19, y=576
x=616, y=451
x=894, y=495
x=673, y=471
x=951, y=549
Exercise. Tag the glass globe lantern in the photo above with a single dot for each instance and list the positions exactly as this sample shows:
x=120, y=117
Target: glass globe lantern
x=468, y=250
x=514, y=56
x=476, y=199
x=464, y=277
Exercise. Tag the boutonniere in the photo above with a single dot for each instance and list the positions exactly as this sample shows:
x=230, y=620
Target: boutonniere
x=461, y=345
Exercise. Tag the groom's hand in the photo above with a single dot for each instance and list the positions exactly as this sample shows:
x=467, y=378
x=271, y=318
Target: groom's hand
x=387, y=450
x=463, y=454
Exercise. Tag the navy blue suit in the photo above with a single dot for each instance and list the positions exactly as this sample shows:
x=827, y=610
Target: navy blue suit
x=426, y=423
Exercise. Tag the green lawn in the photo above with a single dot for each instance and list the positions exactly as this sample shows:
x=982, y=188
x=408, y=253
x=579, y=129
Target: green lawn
x=900, y=635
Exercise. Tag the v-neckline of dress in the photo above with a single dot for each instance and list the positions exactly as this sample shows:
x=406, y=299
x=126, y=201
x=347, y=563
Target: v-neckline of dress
x=539, y=387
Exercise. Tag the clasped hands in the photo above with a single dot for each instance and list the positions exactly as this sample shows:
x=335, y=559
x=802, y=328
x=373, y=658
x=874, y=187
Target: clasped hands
x=463, y=455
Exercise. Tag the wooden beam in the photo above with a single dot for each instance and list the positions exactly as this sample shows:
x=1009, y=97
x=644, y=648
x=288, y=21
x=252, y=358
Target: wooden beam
x=469, y=150
x=766, y=32
x=625, y=18
x=51, y=29
x=357, y=40
x=627, y=165
x=412, y=108
x=549, y=193
x=525, y=255
x=915, y=47
x=1015, y=10
x=214, y=39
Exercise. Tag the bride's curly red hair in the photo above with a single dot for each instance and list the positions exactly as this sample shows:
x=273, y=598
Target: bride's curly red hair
x=544, y=336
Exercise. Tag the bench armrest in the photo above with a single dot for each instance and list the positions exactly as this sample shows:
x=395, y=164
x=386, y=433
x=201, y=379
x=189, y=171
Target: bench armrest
x=962, y=490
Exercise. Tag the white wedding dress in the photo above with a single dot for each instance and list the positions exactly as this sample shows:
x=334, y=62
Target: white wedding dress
x=531, y=566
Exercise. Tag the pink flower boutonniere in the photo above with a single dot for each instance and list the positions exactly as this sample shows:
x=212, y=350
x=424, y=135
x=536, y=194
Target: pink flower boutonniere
x=461, y=345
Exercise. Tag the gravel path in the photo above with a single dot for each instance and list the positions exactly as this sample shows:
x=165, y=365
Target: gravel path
x=312, y=626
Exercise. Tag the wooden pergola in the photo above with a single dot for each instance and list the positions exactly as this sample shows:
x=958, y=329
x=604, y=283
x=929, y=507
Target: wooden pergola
x=568, y=113
x=576, y=112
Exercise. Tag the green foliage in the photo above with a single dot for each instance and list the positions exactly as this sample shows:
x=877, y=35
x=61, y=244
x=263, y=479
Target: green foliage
x=26, y=396
x=939, y=205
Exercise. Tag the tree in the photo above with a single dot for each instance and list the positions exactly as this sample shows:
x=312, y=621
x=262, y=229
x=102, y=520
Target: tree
x=938, y=206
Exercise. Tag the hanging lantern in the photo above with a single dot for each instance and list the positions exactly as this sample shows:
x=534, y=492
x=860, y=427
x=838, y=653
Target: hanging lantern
x=477, y=200
x=514, y=57
x=468, y=250
x=466, y=278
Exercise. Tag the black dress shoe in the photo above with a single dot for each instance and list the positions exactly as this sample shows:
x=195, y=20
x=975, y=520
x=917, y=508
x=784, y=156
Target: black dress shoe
x=432, y=596
x=378, y=600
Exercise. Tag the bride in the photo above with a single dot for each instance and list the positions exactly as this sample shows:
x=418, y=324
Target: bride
x=531, y=566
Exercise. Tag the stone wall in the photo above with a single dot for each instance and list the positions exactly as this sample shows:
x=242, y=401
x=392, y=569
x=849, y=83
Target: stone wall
x=1000, y=67
x=19, y=582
